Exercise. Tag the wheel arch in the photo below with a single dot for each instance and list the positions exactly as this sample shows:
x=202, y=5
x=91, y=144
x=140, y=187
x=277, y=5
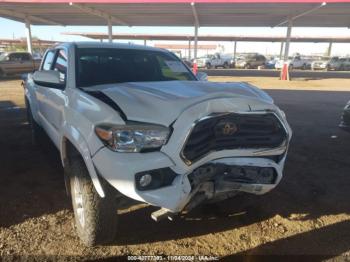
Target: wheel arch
x=74, y=145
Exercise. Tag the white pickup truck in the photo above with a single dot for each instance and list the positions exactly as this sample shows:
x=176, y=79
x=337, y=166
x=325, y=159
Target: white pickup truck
x=296, y=62
x=134, y=121
x=215, y=61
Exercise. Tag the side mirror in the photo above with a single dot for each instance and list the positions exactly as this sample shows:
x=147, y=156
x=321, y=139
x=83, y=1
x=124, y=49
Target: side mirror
x=201, y=76
x=49, y=78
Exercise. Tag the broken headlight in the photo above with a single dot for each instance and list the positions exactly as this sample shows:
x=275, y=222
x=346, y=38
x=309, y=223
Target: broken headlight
x=133, y=137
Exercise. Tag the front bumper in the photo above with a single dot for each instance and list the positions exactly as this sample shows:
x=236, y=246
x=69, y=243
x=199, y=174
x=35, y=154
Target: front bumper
x=119, y=169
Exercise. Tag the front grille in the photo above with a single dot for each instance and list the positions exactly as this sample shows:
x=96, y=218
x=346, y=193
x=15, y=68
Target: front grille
x=233, y=131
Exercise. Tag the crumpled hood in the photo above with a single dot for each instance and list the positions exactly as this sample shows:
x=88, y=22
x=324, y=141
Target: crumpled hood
x=162, y=102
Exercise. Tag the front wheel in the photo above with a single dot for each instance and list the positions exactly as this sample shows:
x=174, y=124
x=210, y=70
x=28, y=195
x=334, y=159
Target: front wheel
x=208, y=66
x=247, y=66
x=95, y=217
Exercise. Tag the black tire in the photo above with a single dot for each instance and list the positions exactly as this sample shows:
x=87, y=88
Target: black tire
x=39, y=137
x=95, y=217
x=2, y=74
x=208, y=66
x=247, y=66
x=226, y=65
x=304, y=67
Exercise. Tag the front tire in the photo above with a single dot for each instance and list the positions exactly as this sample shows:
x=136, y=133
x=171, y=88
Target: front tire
x=247, y=66
x=95, y=217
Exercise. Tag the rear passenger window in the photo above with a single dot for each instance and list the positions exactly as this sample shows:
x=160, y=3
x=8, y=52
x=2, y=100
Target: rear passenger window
x=48, y=60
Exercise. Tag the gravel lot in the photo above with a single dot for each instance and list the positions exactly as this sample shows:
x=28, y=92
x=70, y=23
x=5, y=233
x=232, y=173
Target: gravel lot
x=308, y=213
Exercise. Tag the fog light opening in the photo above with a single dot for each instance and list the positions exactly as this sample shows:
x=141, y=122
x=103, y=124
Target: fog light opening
x=145, y=180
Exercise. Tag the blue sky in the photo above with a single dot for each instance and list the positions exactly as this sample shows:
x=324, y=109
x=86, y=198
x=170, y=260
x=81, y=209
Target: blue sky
x=10, y=29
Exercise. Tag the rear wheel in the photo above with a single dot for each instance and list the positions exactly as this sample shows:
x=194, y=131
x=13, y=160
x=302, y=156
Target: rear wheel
x=95, y=217
x=247, y=66
x=226, y=65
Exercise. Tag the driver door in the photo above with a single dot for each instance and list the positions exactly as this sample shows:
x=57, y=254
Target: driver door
x=54, y=98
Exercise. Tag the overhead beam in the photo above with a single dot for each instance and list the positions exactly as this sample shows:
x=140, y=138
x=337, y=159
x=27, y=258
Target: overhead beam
x=25, y=17
x=301, y=14
x=96, y=12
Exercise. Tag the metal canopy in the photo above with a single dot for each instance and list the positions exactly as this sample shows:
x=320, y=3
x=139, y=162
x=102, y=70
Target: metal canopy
x=214, y=38
x=178, y=13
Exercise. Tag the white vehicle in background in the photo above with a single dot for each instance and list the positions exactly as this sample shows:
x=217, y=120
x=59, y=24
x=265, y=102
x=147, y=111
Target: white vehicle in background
x=326, y=63
x=215, y=61
x=295, y=62
x=134, y=121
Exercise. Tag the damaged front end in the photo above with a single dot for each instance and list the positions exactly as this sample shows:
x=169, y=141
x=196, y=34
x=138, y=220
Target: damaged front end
x=260, y=141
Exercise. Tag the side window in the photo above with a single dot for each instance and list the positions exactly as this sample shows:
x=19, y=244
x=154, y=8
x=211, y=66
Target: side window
x=61, y=65
x=25, y=57
x=14, y=57
x=48, y=60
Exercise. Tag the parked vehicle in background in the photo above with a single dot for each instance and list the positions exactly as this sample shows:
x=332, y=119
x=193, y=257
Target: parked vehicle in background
x=322, y=63
x=342, y=64
x=134, y=121
x=215, y=61
x=345, y=118
x=12, y=63
x=336, y=63
x=270, y=64
x=295, y=62
x=249, y=61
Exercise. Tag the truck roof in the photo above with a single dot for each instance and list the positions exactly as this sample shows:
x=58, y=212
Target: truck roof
x=92, y=44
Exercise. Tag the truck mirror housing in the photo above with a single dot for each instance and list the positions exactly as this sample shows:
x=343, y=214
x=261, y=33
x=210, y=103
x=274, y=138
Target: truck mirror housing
x=48, y=78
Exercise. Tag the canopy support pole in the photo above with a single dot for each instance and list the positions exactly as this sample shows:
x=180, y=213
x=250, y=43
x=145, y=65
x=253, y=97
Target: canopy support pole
x=144, y=42
x=189, y=50
x=29, y=36
x=195, y=42
x=235, y=50
x=110, y=30
x=289, y=33
x=281, y=50
x=329, y=51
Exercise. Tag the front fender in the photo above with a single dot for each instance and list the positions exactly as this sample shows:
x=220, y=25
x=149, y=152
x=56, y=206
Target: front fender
x=74, y=136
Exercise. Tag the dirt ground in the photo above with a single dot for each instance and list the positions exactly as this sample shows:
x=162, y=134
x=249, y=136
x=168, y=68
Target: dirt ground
x=307, y=214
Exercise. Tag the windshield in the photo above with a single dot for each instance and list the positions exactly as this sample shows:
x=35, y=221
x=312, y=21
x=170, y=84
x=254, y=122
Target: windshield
x=97, y=66
x=3, y=57
x=334, y=59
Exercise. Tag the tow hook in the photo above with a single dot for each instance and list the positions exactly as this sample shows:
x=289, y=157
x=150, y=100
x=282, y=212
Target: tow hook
x=162, y=214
